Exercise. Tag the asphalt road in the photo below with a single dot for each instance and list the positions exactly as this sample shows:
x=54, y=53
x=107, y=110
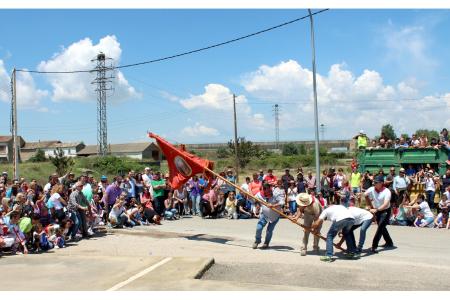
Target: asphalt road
x=420, y=262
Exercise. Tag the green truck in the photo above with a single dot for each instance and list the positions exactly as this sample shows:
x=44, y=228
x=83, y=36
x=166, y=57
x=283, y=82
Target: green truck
x=375, y=159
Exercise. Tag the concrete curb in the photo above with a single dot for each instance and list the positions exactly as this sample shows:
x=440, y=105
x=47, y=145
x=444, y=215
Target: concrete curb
x=206, y=266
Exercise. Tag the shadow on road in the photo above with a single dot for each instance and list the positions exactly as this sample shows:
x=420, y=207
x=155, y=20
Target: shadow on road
x=208, y=238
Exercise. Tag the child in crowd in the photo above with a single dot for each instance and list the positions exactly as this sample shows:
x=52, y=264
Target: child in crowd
x=420, y=221
x=230, y=206
x=40, y=238
x=15, y=233
x=442, y=219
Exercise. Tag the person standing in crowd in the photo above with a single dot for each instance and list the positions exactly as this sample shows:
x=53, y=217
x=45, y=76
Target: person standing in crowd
x=355, y=182
x=389, y=183
x=379, y=199
x=291, y=196
x=255, y=185
x=268, y=216
x=195, y=195
x=74, y=209
x=430, y=188
x=286, y=179
x=311, y=182
x=112, y=193
x=270, y=178
x=326, y=185
x=301, y=183
x=246, y=185
x=158, y=185
x=261, y=175
x=310, y=209
x=400, y=185
x=341, y=219
x=102, y=185
x=231, y=178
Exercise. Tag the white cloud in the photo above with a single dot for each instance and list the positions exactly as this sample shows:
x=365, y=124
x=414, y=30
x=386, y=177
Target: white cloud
x=199, y=130
x=170, y=96
x=78, y=56
x=28, y=96
x=215, y=97
x=347, y=102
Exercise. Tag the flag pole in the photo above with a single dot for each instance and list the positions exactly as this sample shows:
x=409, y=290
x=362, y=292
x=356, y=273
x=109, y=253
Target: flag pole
x=274, y=209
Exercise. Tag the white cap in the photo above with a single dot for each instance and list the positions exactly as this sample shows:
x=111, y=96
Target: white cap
x=361, y=131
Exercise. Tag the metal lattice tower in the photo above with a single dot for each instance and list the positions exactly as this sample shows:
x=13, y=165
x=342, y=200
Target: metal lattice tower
x=276, y=113
x=322, y=131
x=103, y=83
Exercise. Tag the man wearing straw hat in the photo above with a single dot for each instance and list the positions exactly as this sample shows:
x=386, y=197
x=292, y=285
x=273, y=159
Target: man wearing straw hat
x=311, y=210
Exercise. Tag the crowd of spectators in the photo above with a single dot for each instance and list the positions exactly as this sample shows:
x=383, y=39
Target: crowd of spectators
x=67, y=209
x=415, y=141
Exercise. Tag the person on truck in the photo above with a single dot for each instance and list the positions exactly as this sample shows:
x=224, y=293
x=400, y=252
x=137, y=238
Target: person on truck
x=361, y=139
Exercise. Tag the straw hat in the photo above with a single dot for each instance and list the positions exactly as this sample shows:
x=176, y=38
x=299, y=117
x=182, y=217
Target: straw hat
x=303, y=199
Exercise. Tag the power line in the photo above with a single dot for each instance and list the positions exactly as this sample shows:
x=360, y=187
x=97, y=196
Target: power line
x=183, y=53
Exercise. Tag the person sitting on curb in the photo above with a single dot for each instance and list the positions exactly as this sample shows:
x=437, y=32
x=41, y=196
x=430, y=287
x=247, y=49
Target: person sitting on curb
x=310, y=209
x=341, y=219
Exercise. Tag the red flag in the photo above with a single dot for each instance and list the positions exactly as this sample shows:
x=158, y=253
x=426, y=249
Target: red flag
x=182, y=164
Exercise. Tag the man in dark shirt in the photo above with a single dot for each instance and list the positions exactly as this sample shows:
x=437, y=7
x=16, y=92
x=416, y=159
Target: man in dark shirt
x=286, y=178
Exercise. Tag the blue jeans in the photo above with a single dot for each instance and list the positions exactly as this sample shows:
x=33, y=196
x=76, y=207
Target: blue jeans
x=259, y=228
x=75, y=224
x=345, y=225
x=362, y=234
x=169, y=214
x=430, y=199
x=196, y=203
x=292, y=207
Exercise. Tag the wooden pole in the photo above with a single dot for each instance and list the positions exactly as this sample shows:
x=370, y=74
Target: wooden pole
x=274, y=209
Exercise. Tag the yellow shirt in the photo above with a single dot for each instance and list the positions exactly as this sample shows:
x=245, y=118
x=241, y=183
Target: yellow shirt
x=362, y=141
x=355, y=179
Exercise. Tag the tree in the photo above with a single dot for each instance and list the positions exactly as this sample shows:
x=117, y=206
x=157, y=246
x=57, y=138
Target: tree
x=302, y=150
x=246, y=151
x=39, y=156
x=222, y=152
x=61, y=162
x=428, y=133
x=388, y=131
x=405, y=136
x=289, y=149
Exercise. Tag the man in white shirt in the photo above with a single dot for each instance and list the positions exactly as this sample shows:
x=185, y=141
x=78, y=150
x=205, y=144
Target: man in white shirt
x=379, y=199
x=341, y=220
x=400, y=184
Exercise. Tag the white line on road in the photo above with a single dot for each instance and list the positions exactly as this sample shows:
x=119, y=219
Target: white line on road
x=140, y=274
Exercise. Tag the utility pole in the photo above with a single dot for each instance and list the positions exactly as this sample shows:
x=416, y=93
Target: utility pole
x=316, y=115
x=103, y=85
x=276, y=113
x=236, y=147
x=14, y=124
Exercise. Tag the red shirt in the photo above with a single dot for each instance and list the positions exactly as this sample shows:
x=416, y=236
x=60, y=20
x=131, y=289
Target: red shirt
x=271, y=179
x=255, y=187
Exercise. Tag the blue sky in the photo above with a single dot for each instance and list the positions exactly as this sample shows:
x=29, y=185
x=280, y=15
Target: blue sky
x=374, y=67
